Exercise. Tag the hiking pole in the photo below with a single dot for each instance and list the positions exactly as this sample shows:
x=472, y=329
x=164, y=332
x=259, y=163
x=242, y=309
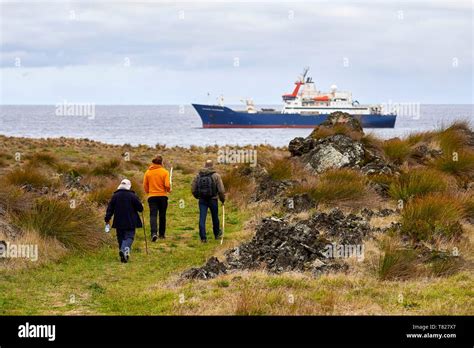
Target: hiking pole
x=223, y=222
x=144, y=234
x=171, y=178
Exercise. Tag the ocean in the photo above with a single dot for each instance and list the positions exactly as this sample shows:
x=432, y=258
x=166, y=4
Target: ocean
x=175, y=125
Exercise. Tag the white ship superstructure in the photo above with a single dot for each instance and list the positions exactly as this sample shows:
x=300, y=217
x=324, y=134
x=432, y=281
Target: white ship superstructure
x=307, y=99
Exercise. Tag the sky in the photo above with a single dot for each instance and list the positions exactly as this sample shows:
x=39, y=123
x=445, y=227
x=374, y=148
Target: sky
x=162, y=52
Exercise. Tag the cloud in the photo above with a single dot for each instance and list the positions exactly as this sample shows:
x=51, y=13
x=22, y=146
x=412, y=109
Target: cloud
x=393, y=45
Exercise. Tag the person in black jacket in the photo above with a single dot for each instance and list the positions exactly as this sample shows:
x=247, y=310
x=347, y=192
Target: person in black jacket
x=124, y=206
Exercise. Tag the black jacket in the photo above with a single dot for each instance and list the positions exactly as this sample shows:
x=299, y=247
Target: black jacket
x=124, y=206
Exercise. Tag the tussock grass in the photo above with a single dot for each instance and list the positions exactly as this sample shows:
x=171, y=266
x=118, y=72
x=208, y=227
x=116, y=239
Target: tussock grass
x=239, y=185
x=28, y=176
x=418, y=182
x=396, y=150
x=280, y=169
x=453, y=138
x=108, y=168
x=76, y=228
x=101, y=195
x=459, y=163
x=432, y=216
x=46, y=158
x=337, y=185
x=396, y=262
x=13, y=199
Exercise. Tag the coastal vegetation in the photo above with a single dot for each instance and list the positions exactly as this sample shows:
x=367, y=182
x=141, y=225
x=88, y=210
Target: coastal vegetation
x=415, y=193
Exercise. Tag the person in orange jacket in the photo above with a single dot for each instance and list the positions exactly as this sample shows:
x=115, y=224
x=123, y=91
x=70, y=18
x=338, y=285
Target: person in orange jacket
x=156, y=184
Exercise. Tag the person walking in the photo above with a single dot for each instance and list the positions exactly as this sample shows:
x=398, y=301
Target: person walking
x=208, y=187
x=124, y=206
x=156, y=184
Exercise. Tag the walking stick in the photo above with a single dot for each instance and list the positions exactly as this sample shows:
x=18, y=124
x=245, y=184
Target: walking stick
x=223, y=222
x=171, y=178
x=144, y=234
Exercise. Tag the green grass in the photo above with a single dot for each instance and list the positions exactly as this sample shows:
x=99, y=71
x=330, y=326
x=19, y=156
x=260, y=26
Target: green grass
x=396, y=150
x=432, y=216
x=338, y=185
x=418, y=182
x=100, y=284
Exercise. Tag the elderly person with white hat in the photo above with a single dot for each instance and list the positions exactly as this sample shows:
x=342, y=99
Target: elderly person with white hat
x=124, y=207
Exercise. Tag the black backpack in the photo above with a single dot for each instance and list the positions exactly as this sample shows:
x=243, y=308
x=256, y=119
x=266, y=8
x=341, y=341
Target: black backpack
x=206, y=186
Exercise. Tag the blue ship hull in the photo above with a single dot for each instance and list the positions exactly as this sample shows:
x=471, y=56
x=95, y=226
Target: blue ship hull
x=214, y=116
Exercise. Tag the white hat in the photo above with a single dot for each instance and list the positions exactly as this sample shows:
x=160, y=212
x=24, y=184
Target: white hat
x=125, y=184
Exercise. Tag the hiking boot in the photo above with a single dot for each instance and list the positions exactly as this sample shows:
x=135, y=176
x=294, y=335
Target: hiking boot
x=161, y=237
x=154, y=237
x=127, y=254
x=219, y=235
x=203, y=241
x=123, y=259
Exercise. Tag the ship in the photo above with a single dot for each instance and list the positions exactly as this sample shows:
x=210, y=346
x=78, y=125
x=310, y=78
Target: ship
x=305, y=107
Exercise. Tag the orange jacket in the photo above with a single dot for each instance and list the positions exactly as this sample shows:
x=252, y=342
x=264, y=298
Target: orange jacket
x=156, y=181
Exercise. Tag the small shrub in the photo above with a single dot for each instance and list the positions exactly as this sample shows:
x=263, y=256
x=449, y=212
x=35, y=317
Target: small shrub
x=416, y=183
x=28, y=176
x=108, y=168
x=396, y=150
x=431, y=216
x=76, y=228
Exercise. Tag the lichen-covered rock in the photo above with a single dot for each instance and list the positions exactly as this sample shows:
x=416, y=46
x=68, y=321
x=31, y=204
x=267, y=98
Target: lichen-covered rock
x=340, y=117
x=336, y=151
x=299, y=203
x=280, y=246
x=211, y=269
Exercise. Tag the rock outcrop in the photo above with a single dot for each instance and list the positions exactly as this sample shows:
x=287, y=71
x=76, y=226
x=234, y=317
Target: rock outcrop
x=280, y=246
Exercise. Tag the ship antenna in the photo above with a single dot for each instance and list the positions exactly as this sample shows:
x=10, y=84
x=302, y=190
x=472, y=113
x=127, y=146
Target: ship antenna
x=305, y=72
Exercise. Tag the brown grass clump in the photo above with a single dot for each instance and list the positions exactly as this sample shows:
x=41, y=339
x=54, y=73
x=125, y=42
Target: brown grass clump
x=435, y=215
x=75, y=227
x=459, y=163
x=280, y=169
x=28, y=176
x=239, y=185
x=396, y=150
x=337, y=185
x=418, y=182
x=396, y=262
x=102, y=195
x=108, y=168
x=46, y=158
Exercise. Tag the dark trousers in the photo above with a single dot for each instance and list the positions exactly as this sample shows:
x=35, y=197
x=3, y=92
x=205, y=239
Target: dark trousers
x=158, y=206
x=125, y=239
x=213, y=206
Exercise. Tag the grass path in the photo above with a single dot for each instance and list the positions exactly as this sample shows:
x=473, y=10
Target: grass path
x=97, y=283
